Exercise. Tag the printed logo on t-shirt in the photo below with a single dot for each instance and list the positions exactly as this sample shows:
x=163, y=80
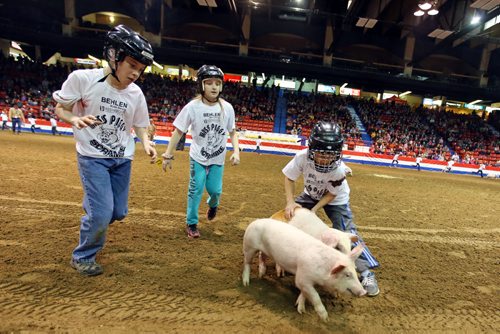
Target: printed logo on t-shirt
x=215, y=136
x=112, y=129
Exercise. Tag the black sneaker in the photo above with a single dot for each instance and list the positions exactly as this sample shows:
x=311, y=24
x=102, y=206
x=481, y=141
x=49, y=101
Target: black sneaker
x=211, y=213
x=192, y=231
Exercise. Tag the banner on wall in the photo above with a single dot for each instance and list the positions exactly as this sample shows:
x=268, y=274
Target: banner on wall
x=232, y=77
x=326, y=88
x=350, y=91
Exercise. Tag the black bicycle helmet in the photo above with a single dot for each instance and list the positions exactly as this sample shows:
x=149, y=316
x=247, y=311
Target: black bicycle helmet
x=326, y=138
x=207, y=72
x=121, y=41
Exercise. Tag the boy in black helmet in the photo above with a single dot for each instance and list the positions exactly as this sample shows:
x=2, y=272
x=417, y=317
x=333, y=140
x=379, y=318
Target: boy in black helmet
x=103, y=105
x=211, y=120
x=325, y=186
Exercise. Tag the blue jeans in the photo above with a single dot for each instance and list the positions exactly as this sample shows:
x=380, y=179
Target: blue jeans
x=16, y=122
x=105, y=185
x=201, y=177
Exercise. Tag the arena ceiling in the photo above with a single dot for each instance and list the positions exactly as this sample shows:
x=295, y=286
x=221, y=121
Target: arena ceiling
x=290, y=37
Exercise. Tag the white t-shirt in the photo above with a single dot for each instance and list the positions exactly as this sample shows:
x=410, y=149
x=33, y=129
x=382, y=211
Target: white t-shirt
x=450, y=163
x=209, y=132
x=316, y=184
x=258, y=142
x=53, y=122
x=418, y=160
x=5, y=117
x=118, y=110
x=32, y=121
x=396, y=156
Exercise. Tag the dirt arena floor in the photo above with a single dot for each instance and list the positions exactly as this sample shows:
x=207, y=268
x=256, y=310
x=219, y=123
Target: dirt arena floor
x=436, y=236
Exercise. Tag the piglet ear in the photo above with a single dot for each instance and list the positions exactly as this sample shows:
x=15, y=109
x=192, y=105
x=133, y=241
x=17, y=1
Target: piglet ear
x=330, y=239
x=337, y=269
x=356, y=252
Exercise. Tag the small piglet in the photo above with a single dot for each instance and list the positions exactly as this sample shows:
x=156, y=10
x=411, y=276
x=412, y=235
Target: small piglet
x=309, y=222
x=312, y=262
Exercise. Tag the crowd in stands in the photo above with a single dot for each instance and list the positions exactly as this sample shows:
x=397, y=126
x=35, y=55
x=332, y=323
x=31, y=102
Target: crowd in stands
x=166, y=96
x=429, y=133
x=394, y=128
x=30, y=85
x=304, y=110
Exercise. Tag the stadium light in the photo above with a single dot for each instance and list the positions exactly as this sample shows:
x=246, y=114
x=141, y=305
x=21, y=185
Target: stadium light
x=157, y=65
x=405, y=93
x=429, y=7
x=476, y=101
x=344, y=85
x=425, y=5
x=97, y=60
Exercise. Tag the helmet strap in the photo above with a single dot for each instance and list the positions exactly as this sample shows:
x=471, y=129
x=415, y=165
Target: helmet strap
x=113, y=70
x=203, y=97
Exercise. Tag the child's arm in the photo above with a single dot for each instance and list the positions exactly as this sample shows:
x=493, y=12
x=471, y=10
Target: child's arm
x=327, y=198
x=64, y=113
x=168, y=156
x=235, y=157
x=290, y=201
x=142, y=134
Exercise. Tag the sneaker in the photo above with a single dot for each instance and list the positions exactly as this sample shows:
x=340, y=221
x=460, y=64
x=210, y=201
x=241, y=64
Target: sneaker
x=211, y=213
x=86, y=268
x=192, y=231
x=369, y=283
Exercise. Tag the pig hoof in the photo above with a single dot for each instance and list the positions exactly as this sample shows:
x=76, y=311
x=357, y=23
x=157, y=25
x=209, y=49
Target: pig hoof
x=262, y=270
x=246, y=280
x=323, y=316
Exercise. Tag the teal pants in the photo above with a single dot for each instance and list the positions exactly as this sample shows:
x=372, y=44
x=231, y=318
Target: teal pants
x=209, y=177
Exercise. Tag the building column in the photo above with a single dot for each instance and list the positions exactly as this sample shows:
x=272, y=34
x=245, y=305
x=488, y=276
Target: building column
x=408, y=56
x=38, y=52
x=5, y=47
x=70, y=14
x=245, y=28
x=484, y=64
x=328, y=58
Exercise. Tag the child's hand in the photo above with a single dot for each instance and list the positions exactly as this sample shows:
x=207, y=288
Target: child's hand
x=167, y=161
x=150, y=150
x=84, y=121
x=290, y=208
x=235, y=158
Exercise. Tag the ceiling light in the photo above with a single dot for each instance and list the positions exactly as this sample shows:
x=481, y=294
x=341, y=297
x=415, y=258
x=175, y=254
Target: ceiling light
x=424, y=5
x=343, y=86
x=419, y=13
x=157, y=65
x=97, y=60
x=433, y=11
x=405, y=93
x=476, y=101
x=475, y=20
